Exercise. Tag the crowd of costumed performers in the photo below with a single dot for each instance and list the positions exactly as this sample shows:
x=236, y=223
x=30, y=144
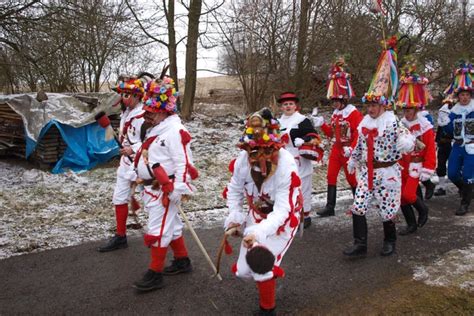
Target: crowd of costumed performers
x=384, y=158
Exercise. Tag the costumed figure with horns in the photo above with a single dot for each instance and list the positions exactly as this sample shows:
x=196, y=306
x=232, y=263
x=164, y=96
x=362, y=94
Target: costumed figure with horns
x=266, y=175
x=303, y=142
x=164, y=165
x=381, y=143
x=420, y=164
x=131, y=90
x=443, y=141
x=460, y=124
x=342, y=130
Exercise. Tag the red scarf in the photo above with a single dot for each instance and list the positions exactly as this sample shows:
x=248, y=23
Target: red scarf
x=370, y=134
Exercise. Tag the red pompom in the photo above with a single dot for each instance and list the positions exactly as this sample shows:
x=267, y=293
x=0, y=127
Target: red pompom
x=285, y=139
x=160, y=175
x=224, y=193
x=232, y=166
x=149, y=240
x=227, y=247
x=295, y=180
x=135, y=204
x=167, y=187
x=293, y=220
x=193, y=172
x=234, y=268
x=185, y=137
x=165, y=200
x=103, y=121
x=278, y=272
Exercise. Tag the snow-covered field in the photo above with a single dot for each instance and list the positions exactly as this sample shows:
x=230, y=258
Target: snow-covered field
x=40, y=210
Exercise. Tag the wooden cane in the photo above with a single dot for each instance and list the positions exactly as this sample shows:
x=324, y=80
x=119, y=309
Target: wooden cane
x=196, y=238
x=227, y=233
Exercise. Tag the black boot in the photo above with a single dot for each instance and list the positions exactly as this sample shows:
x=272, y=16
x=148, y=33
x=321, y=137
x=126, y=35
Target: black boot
x=429, y=189
x=151, y=281
x=306, y=222
x=440, y=192
x=422, y=209
x=267, y=312
x=180, y=265
x=116, y=242
x=460, y=185
x=359, y=226
x=410, y=218
x=331, y=202
x=465, y=200
x=390, y=238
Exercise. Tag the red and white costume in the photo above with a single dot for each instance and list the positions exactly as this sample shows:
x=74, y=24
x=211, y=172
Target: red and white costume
x=131, y=122
x=167, y=144
x=280, y=194
x=418, y=162
x=381, y=143
x=297, y=126
x=342, y=130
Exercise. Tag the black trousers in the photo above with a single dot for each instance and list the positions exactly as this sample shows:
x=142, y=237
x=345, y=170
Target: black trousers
x=444, y=149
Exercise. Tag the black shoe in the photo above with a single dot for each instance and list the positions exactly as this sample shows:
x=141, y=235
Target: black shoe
x=359, y=248
x=388, y=248
x=267, y=312
x=429, y=189
x=422, y=209
x=390, y=238
x=307, y=222
x=151, y=281
x=331, y=202
x=410, y=218
x=181, y=265
x=440, y=192
x=116, y=242
x=465, y=200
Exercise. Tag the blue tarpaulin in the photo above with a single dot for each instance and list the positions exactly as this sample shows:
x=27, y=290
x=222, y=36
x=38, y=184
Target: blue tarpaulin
x=85, y=139
x=86, y=146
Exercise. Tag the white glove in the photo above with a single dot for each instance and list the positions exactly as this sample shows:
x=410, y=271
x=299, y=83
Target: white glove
x=352, y=166
x=405, y=143
x=443, y=119
x=175, y=197
x=299, y=142
x=347, y=151
x=318, y=121
x=426, y=174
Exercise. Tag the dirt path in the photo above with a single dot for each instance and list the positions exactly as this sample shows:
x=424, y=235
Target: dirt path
x=318, y=281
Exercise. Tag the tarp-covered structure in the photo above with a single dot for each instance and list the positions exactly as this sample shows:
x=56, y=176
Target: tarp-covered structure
x=85, y=139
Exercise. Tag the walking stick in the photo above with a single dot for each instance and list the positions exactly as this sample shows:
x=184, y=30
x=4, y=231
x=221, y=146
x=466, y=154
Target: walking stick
x=196, y=238
x=227, y=233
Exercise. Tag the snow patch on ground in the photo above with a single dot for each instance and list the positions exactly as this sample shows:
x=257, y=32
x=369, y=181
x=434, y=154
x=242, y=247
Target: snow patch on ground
x=454, y=268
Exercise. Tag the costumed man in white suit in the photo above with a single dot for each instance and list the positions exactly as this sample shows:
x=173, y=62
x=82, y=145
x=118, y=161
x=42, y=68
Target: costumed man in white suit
x=297, y=130
x=266, y=175
x=164, y=166
x=132, y=90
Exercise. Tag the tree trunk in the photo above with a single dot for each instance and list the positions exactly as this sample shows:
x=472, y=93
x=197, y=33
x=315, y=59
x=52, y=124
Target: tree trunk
x=172, y=43
x=191, y=58
x=302, y=40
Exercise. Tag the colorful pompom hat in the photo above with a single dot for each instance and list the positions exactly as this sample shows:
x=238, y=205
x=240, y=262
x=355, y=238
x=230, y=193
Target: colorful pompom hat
x=261, y=130
x=339, y=85
x=413, y=92
x=131, y=84
x=161, y=96
x=384, y=84
x=462, y=79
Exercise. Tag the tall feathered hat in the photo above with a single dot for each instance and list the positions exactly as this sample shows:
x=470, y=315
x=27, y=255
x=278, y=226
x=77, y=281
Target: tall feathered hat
x=413, y=91
x=384, y=84
x=261, y=130
x=462, y=79
x=132, y=84
x=339, y=85
x=161, y=96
